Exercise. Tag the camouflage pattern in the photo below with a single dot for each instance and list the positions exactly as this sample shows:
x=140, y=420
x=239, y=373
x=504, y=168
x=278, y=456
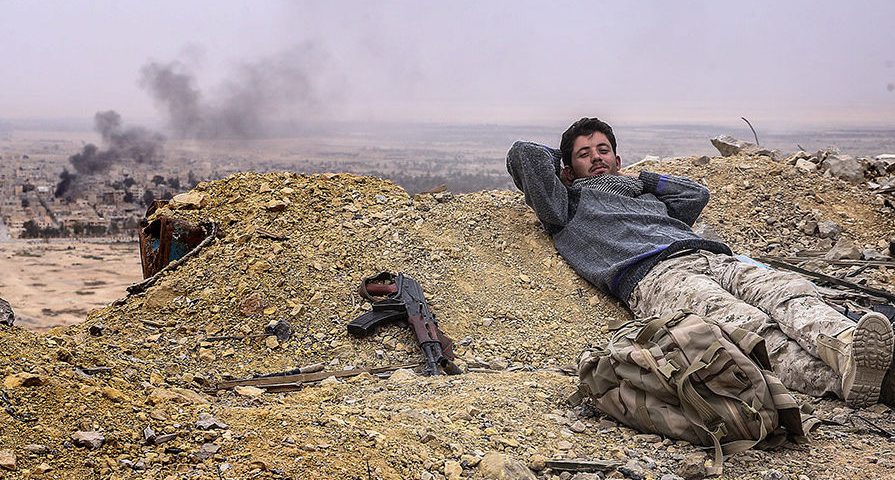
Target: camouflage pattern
x=681, y=376
x=782, y=307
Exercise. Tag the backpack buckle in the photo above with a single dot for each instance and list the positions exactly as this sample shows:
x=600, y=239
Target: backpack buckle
x=668, y=370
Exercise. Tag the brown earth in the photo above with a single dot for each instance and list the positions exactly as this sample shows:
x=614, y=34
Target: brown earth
x=516, y=310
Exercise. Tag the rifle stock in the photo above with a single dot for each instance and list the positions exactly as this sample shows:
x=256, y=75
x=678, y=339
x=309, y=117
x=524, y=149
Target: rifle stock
x=400, y=298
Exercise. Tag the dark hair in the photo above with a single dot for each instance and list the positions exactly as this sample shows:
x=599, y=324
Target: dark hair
x=585, y=126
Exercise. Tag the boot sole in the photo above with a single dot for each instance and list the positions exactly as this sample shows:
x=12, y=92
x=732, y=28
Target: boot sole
x=872, y=353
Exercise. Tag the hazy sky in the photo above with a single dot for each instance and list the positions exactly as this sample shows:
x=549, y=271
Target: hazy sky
x=786, y=63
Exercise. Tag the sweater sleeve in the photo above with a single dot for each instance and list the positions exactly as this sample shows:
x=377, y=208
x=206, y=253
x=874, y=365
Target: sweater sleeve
x=533, y=169
x=683, y=197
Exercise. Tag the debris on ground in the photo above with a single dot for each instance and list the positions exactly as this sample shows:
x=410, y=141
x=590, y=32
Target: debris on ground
x=139, y=399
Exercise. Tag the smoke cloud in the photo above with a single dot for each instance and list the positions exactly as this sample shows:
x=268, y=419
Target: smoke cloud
x=135, y=144
x=256, y=98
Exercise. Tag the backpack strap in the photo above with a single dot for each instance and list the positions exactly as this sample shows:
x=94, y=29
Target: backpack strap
x=653, y=326
x=703, y=415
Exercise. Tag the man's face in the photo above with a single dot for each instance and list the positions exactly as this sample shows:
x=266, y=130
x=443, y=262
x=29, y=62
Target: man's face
x=592, y=155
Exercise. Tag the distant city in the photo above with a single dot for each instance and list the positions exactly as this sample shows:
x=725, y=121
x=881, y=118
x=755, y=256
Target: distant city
x=44, y=195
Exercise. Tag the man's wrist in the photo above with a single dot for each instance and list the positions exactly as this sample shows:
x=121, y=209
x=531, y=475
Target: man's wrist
x=650, y=180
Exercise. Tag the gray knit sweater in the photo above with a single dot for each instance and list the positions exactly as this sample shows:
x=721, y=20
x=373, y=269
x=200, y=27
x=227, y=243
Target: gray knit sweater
x=611, y=240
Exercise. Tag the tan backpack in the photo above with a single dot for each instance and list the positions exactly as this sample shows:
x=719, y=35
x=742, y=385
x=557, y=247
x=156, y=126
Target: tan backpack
x=683, y=377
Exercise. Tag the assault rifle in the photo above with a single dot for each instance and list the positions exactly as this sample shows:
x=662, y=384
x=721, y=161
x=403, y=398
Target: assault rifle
x=399, y=298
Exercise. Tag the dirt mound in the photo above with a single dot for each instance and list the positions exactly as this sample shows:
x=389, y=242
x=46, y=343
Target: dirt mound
x=125, y=394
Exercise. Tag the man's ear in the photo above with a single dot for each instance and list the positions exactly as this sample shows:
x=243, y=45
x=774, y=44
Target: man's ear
x=566, y=176
x=618, y=159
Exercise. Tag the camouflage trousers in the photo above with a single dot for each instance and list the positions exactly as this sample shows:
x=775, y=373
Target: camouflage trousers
x=782, y=307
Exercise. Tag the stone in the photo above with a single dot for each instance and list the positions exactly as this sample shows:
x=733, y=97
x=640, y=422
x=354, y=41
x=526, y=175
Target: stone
x=402, y=375
x=703, y=160
x=728, y=145
x=498, y=466
x=772, y=474
x=207, y=421
x=578, y=427
x=587, y=476
x=871, y=254
x=845, y=167
x=23, y=379
x=159, y=297
x=693, y=467
x=92, y=440
x=187, y=201
x=271, y=342
x=275, y=206
x=37, y=449
x=7, y=316
x=248, y=391
x=537, y=462
x=7, y=459
x=207, y=450
x=805, y=166
x=828, y=229
x=114, y=394
x=452, y=470
x=844, y=249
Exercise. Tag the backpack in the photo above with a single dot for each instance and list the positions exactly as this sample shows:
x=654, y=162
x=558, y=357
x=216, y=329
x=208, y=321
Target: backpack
x=683, y=377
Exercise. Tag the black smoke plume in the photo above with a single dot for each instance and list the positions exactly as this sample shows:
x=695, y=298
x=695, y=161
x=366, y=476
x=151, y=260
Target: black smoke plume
x=133, y=144
x=250, y=104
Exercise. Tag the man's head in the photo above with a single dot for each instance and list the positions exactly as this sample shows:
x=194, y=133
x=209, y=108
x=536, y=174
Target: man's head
x=588, y=149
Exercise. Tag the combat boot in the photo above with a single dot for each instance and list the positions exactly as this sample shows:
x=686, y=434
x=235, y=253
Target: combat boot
x=861, y=356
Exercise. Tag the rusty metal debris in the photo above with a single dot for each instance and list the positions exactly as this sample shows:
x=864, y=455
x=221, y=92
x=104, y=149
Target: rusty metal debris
x=166, y=239
x=7, y=317
x=287, y=383
x=166, y=243
x=582, y=465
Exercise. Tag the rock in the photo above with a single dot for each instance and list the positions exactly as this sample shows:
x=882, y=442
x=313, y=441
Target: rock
x=37, y=449
x=537, y=462
x=670, y=476
x=113, y=394
x=159, y=297
x=693, y=467
x=271, y=342
x=578, y=427
x=772, y=474
x=207, y=450
x=703, y=160
x=452, y=470
x=402, y=375
x=248, y=391
x=7, y=317
x=805, y=166
x=23, y=379
x=844, y=249
x=728, y=145
x=871, y=254
x=845, y=167
x=207, y=422
x=587, y=476
x=499, y=466
x=809, y=227
x=828, y=229
x=92, y=440
x=43, y=468
x=188, y=200
x=498, y=363
x=7, y=459
x=275, y=206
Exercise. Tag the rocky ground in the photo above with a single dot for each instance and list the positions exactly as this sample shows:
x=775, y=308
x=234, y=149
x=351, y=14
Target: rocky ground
x=127, y=393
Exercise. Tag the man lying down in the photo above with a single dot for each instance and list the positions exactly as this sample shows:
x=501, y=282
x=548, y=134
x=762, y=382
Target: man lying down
x=631, y=236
